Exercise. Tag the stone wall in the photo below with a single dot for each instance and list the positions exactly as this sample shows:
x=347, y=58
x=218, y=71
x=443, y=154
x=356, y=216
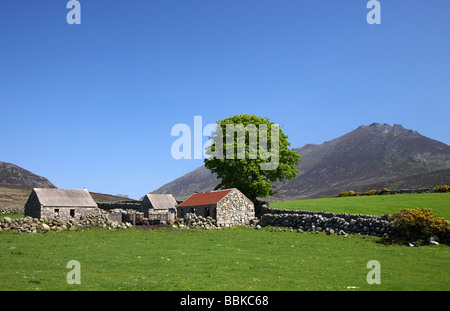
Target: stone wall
x=265, y=209
x=32, y=207
x=234, y=209
x=420, y=190
x=123, y=205
x=34, y=225
x=328, y=222
x=129, y=215
x=198, y=221
x=192, y=220
x=11, y=210
x=115, y=216
x=64, y=213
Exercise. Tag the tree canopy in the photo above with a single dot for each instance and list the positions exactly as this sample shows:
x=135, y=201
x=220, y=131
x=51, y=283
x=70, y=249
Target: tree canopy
x=250, y=153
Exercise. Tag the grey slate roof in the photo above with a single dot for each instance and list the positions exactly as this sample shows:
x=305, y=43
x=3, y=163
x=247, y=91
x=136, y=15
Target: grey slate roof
x=162, y=201
x=64, y=197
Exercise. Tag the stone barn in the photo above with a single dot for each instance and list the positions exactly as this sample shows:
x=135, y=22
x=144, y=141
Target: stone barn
x=228, y=207
x=63, y=203
x=159, y=207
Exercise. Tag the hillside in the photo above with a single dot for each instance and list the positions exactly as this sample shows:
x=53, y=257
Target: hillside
x=372, y=205
x=15, y=196
x=369, y=156
x=14, y=175
x=17, y=183
x=198, y=180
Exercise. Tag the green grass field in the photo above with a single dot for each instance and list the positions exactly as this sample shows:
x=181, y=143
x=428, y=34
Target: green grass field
x=230, y=259
x=378, y=205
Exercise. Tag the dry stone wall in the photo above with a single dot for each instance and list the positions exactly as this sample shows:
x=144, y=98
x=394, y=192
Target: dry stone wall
x=327, y=222
x=34, y=225
x=123, y=205
x=193, y=220
x=65, y=212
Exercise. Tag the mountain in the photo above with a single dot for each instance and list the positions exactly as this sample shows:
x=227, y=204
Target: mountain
x=424, y=180
x=369, y=156
x=17, y=183
x=14, y=175
x=14, y=197
x=123, y=196
x=199, y=180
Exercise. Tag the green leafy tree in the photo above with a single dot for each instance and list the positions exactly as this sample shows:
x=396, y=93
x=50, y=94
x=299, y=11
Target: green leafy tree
x=250, y=153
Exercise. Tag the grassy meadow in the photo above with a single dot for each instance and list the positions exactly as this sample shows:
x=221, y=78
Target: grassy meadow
x=238, y=259
x=378, y=205
x=229, y=259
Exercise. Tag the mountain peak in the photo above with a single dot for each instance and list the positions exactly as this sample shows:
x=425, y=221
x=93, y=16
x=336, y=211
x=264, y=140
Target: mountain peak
x=370, y=155
x=386, y=129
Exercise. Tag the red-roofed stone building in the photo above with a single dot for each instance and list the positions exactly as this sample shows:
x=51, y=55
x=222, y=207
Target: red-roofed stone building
x=229, y=207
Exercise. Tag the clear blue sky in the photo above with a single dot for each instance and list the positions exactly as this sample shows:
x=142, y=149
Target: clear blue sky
x=92, y=105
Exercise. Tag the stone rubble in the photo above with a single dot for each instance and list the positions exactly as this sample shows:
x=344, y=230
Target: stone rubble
x=33, y=225
x=191, y=220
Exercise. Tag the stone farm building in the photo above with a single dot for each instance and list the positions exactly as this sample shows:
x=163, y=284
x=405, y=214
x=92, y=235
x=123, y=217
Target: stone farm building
x=63, y=203
x=159, y=207
x=229, y=207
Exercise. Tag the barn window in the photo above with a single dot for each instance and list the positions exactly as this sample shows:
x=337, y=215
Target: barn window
x=72, y=213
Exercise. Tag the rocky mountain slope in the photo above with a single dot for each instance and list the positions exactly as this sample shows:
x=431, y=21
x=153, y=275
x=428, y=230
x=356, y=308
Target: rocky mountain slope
x=369, y=156
x=17, y=183
x=14, y=175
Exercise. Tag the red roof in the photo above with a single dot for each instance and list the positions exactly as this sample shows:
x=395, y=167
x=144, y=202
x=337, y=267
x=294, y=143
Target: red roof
x=205, y=198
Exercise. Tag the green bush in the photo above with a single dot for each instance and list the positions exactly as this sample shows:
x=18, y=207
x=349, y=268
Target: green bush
x=419, y=224
x=384, y=191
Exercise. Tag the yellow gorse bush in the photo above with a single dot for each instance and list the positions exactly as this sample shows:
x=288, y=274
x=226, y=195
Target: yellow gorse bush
x=441, y=188
x=346, y=193
x=343, y=194
x=419, y=224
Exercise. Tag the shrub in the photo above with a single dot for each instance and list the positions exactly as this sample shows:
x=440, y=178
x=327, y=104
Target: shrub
x=419, y=224
x=384, y=191
x=371, y=192
x=346, y=193
x=441, y=188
